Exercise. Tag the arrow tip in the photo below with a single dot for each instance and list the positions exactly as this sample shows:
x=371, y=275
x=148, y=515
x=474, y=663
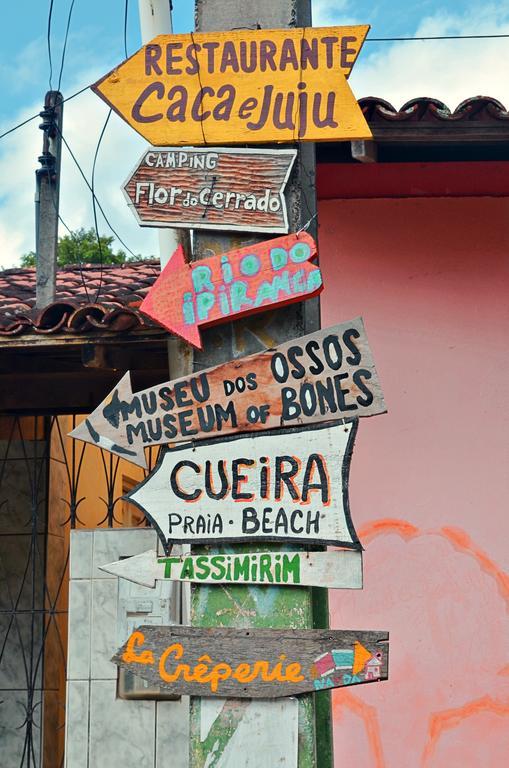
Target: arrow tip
x=360, y=656
x=160, y=302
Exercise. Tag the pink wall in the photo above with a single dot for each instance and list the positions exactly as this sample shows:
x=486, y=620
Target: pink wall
x=430, y=479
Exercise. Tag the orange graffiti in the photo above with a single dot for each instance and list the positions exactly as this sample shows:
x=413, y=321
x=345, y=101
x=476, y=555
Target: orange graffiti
x=368, y=715
x=389, y=525
x=451, y=718
x=463, y=542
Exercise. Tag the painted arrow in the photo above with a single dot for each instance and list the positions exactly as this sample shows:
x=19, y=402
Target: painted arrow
x=336, y=569
x=260, y=391
x=253, y=663
x=189, y=296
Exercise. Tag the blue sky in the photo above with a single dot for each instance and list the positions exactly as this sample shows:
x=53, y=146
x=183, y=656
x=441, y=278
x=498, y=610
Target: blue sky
x=448, y=70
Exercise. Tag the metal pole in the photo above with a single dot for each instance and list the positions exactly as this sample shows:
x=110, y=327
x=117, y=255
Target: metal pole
x=47, y=193
x=215, y=731
x=155, y=19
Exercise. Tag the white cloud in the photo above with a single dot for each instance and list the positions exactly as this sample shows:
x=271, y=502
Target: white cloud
x=329, y=12
x=448, y=70
x=84, y=117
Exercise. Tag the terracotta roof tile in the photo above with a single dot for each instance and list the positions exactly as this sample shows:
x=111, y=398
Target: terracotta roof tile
x=483, y=109
x=109, y=303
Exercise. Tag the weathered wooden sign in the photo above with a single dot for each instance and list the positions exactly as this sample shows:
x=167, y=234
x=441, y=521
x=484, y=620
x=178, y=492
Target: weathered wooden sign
x=282, y=485
x=212, y=188
x=326, y=375
x=253, y=663
x=189, y=296
x=335, y=569
x=241, y=87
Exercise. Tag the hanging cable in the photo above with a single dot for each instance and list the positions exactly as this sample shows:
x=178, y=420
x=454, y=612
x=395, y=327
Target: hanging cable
x=48, y=42
x=38, y=114
x=126, y=11
x=94, y=208
x=69, y=16
x=434, y=37
x=80, y=169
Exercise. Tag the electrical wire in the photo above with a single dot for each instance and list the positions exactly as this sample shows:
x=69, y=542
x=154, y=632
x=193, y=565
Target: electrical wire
x=126, y=11
x=94, y=207
x=48, y=41
x=433, y=37
x=80, y=169
x=69, y=16
x=38, y=114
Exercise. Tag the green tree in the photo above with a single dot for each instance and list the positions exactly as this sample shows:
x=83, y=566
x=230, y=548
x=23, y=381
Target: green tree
x=83, y=248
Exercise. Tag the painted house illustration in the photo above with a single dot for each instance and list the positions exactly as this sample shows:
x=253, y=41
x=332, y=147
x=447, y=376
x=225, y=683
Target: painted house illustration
x=373, y=668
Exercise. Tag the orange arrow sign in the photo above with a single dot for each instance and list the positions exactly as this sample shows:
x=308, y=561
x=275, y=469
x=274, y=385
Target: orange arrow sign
x=241, y=87
x=186, y=296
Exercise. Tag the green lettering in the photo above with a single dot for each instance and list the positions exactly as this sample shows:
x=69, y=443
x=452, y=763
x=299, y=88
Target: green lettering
x=291, y=567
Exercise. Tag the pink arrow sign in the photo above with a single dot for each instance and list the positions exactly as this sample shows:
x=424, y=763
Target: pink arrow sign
x=188, y=296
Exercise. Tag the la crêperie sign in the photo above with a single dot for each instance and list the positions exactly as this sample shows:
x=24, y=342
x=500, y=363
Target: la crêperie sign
x=213, y=188
x=325, y=375
x=241, y=87
x=253, y=663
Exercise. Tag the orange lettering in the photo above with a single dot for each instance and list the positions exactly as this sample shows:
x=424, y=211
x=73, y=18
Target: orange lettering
x=131, y=656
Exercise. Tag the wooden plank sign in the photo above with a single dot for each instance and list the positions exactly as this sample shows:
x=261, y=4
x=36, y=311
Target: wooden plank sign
x=335, y=569
x=241, y=87
x=189, y=296
x=326, y=375
x=212, y=188
x=253, y=663
x=282, y=485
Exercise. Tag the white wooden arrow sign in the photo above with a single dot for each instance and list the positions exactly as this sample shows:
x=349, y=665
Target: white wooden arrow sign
x=339, y=569
x=279, y=485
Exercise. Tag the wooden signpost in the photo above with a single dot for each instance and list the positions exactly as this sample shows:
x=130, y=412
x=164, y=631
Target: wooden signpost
x=336, y=569
x=189, y=296
x=326, y=375
x=254, y=663
x=282, y=485
x=241, y=87
x=213, y=188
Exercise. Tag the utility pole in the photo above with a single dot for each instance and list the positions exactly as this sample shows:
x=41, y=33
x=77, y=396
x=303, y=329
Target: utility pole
x=47, y=193
x=155, y=19
x=241, y=606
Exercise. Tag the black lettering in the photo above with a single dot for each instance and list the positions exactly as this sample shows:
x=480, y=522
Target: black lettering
x=174, y=520
x=206, y=418
x=192, y=58
x=298, y=371
x=318, y=366
x=133, y=431
x=169, y=424
x=285, y=476
x=166, y=396
x=209, y=488
x=340, y=393
x=296, y=513
x=225, y=415
x=266, y=522
x=316, y=461
x=333, y=352
x=185, y=419
x=152, y=55
x=155, y=429
x=158, y=89
x=290, y=409
x=149, y=402
x=200, y=397
x=348, y=339
x=308, y=399
x=171, y=59
x=279, y=367
x=313, y=522
x=250, y=522
x=177, y=490
x=326, y=396
x=358, y=377
x=251, y=381
x=180, y=393
x=238, y=478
